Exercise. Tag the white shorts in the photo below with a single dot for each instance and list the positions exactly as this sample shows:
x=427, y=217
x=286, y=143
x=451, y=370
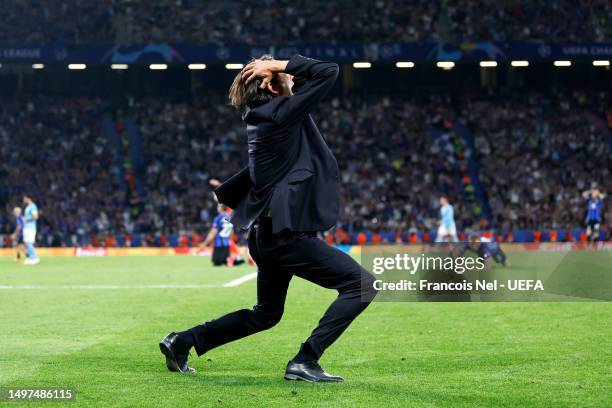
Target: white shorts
x=444, y=232
x=29, y=236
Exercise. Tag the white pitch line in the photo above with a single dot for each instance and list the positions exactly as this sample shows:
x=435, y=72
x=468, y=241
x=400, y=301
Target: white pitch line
x=240, y=280
x=230, y=284
x=195, y=286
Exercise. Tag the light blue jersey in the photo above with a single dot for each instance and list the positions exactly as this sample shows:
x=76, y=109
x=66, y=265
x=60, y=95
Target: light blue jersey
x=28, y=217
x=447, y=213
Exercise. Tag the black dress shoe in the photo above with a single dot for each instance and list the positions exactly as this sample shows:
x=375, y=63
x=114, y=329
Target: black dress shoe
x=310, y=371
x=176, y=358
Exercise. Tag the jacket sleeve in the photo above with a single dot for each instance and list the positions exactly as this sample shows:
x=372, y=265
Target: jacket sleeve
x=313, y=79
x=233, y=190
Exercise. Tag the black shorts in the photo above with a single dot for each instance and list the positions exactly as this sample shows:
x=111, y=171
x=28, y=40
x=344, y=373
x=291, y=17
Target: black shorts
x=20, y=240
x=220, y=255
x=594, y=224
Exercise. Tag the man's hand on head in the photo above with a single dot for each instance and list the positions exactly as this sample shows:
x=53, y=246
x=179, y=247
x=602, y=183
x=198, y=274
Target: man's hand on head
x=264, y=69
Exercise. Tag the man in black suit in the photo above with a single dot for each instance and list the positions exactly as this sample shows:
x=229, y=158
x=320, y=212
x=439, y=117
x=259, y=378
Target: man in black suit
x=288, y=192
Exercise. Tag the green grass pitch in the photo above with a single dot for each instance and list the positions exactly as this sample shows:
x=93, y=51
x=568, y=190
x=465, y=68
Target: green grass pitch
x=102, y=340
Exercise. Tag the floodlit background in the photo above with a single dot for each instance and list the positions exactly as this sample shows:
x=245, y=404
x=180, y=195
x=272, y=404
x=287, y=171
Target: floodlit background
x=114, y=117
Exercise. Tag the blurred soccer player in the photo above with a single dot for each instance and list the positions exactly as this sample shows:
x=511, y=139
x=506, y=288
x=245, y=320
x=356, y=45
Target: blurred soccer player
x=220, y=236
x=18, y=234
x=29, y=230
x=486, y=248
x=288, y=192
x=593, y=217
x=447, y=231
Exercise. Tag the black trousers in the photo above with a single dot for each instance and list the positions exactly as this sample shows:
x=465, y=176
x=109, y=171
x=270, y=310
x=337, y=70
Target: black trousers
x=279, y=257
x=219, y=255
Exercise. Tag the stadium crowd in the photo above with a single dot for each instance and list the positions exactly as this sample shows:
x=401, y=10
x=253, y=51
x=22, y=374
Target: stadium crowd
x=263, y=22
x=582, y=20
x=536, y=155
x=54, y=149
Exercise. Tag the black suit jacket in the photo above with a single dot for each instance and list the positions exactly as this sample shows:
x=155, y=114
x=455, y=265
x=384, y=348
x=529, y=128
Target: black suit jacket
x=292, y=172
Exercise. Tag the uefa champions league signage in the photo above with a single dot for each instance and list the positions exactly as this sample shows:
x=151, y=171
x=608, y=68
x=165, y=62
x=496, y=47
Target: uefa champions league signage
x=349, y=52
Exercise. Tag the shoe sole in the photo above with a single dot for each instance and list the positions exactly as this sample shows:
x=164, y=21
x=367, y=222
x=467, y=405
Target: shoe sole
x=171, y=363
x=170, y=359
x=295, y=377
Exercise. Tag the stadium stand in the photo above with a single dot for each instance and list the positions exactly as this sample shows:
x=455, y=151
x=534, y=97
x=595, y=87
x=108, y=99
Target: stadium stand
x=128, y=161
x=397, y=157
x=313, y=21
